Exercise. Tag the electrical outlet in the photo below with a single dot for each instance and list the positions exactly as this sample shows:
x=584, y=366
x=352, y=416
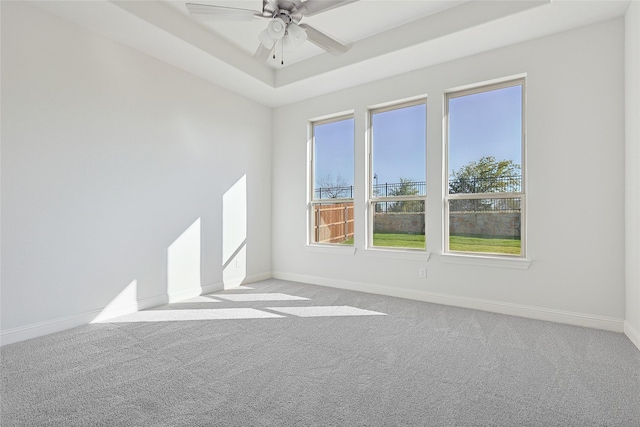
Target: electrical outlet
x=237, y=263
x=422, y=272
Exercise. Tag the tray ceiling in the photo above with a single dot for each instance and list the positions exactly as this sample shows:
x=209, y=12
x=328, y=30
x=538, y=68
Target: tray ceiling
x=388, y=37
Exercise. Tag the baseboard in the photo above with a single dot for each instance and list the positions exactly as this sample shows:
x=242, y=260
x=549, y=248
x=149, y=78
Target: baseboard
x=143, y=304
x=192, y=293
x=39, y=329
x=632, y=334
x=257, y=277
x=209, y=289
x=47, y=327
x=35, y=330
x=216, y=287
x=538, y=313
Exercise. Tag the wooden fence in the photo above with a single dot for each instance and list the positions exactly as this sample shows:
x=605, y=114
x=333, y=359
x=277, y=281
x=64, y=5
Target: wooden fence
x=333, y=222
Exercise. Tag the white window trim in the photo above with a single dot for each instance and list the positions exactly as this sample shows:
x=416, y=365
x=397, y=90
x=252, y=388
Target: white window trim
x=311, y=201
x=485, y=258
x=370, y=249
x=332, y=248
x=398, y=253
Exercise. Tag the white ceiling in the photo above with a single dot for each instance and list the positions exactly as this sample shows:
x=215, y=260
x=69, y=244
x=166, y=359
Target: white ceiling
x=348, y=24
x=388, y=37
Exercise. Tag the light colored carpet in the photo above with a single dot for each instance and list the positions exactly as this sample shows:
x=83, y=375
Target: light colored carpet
x=290, y=354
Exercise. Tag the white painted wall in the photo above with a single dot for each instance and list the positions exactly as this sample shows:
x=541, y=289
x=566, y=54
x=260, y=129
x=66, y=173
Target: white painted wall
x=632, y=176
x=575, y=189
x=114, y=171
x=116, y=168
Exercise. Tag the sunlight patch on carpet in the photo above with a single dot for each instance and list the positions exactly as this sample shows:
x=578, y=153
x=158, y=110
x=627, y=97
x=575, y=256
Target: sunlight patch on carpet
x=186, y=315
x=260, y=297
x=325, y=311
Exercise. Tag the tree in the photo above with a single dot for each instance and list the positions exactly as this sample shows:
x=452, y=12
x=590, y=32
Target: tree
x=406, y=187
x=486, y=175
x=329, y=188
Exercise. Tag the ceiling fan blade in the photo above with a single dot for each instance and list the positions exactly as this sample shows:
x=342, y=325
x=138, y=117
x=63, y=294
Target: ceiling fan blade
x=222, y=11
x=324, y=41
x=316, y=6
x=262, y=53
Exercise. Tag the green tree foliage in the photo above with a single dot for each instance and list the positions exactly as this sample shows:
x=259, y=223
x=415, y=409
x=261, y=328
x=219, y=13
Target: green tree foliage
x=406, y=187
x=486, y=175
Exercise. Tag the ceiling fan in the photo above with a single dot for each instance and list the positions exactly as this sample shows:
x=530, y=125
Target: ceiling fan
x=284, y=23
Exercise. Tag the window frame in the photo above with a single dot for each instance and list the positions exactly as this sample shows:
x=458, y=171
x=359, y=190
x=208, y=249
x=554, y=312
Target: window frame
x=371, y=198
x=312, y=200
x=475, y=89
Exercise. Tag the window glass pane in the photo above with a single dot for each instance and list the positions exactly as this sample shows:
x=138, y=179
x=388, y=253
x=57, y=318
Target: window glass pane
x=399, y=224
x=399, y=151
x=333, y=223
x=333, y=160
x=485, y=225
x=485, y=141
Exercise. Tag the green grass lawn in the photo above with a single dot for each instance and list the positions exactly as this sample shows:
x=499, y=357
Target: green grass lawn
x=389, y=240
x=479, y=244
x=456, y=243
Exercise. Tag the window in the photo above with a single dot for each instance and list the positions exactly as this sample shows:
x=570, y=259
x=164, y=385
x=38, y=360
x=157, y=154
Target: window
x=485, y=199
x=331, y=213
x=397, y=193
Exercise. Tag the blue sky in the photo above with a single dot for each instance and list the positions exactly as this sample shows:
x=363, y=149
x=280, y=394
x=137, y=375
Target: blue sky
x=334, y=151
x=482, y=124
x=485, y=124
x=399, y=149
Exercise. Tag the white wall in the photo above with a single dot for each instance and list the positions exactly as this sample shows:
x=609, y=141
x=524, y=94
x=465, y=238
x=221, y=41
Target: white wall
x=632, y=176
x=575, y=190
x=114, y=171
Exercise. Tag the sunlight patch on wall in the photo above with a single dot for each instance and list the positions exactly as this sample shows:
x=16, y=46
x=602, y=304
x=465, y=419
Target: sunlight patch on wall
x=234, y=234
x=183, y=262
x=124, y=303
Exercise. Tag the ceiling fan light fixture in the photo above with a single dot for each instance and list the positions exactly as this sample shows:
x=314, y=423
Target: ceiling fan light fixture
x=296, y=35
x=277, y=28
x=266, y=39
x=288, y=44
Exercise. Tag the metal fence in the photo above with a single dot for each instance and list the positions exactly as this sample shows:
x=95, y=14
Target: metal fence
x=409, y=188
x=400, y=207
x=473, y=185
x=334, y=193
x=503, y=184
x=485, y=205
x=417, y=188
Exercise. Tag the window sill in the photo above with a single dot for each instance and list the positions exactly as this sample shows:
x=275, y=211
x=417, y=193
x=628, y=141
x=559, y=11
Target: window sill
x=332, y=249
x=398, y=254
x=487, y=261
